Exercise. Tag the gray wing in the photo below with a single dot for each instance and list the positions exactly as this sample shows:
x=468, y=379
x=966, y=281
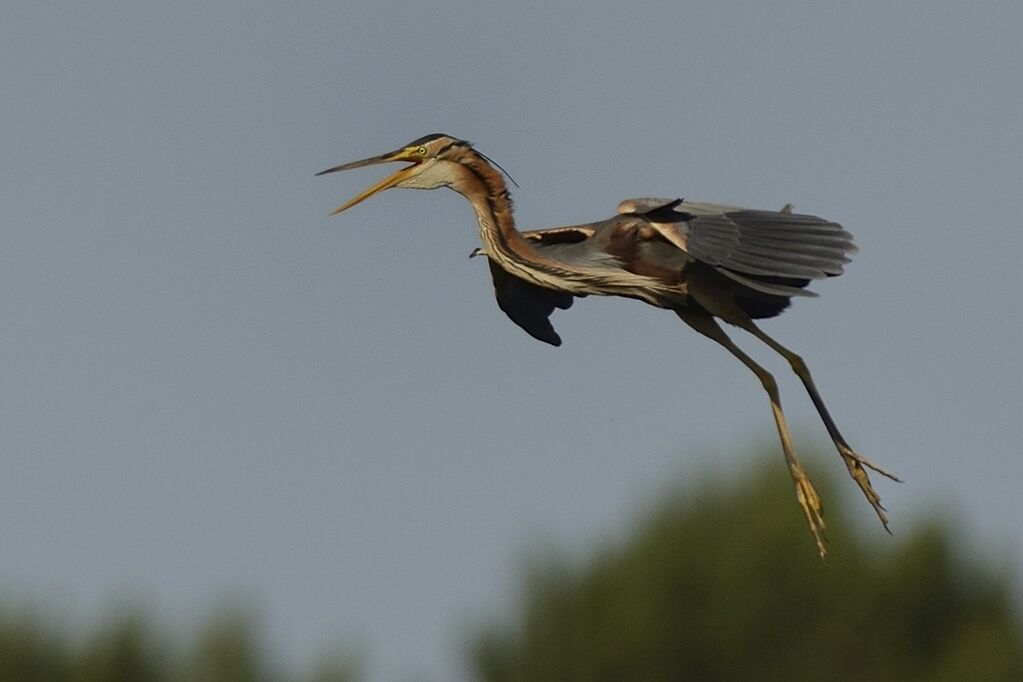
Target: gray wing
x=767, y=242
x=528, y=305
x=747, y=244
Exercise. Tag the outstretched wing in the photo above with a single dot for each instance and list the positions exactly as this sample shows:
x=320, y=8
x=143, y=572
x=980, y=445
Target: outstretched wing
x=760, y=249
x=528, y=305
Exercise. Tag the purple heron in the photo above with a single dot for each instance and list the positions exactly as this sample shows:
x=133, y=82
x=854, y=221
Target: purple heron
x=705, y=262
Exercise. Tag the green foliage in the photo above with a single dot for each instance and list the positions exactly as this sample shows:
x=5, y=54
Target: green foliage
x=720, y=584
x=129, y=649
x=724, y=584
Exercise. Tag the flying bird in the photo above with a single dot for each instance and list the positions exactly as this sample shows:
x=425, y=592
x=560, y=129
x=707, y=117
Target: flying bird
x=705, y=262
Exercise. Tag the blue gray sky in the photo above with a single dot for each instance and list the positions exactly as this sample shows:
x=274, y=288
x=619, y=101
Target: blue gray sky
x=209, y=389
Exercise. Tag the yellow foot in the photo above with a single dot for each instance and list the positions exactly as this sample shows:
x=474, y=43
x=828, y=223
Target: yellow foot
x=810, y=501
x=858, y=465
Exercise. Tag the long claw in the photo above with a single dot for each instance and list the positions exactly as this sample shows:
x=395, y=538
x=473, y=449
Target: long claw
x=858, y=465
x=810, y=502
x=870, y=465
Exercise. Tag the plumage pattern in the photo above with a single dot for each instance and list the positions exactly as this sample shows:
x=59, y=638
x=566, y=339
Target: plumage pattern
x=773, y=255
x=741, y=242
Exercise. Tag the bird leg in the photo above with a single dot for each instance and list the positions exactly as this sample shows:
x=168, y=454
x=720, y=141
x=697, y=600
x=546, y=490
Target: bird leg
x=806, y=493
x=856, y=463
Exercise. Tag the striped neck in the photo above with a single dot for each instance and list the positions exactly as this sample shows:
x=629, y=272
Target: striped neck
x=485, y=189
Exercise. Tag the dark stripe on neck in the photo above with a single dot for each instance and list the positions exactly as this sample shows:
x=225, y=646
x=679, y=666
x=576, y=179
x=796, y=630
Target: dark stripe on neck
x=491, y=194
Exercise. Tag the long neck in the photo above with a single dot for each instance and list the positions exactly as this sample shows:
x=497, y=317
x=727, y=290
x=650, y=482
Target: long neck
x=484, y=187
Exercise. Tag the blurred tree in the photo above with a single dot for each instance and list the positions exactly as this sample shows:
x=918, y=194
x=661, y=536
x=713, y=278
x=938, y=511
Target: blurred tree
x=723, y=584
x=129, y=649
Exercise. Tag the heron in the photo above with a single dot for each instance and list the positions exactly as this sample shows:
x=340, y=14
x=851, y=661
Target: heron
x=705, y=262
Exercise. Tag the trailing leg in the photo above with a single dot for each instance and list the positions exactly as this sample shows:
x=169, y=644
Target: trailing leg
x=806, y=493
x=856, y=463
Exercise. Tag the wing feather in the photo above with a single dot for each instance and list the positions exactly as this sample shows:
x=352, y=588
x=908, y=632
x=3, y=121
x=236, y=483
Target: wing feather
x=748, y=241
x=528, y=305
x=569, y=234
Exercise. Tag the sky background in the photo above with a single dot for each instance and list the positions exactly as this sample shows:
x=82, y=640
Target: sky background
x=208, y=389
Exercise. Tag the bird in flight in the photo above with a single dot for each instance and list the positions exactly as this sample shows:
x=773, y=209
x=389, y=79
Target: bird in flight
x=705, y=262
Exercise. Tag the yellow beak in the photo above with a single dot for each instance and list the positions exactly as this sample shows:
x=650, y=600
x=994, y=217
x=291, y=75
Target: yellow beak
x=388, y=182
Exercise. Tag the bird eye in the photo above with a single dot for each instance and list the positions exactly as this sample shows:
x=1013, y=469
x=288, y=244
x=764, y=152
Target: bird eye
x=421, y=151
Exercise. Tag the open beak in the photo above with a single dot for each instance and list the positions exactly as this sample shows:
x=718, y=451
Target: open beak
x=388, y=182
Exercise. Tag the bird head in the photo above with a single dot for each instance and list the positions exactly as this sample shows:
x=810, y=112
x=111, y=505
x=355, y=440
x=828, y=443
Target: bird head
x=433, y=162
